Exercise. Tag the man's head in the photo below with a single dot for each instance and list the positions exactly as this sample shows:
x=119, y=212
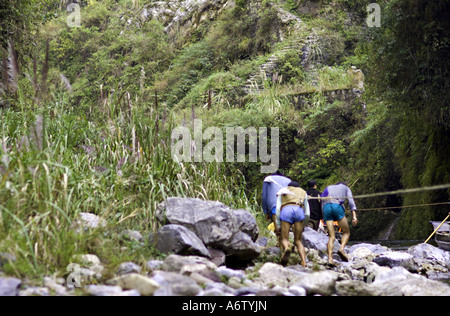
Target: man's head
x=294, y=184
x=278, y=173
x=312, y=184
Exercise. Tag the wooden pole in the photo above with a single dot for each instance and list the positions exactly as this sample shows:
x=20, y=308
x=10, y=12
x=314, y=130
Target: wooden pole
x=157, y=114
x=209, y=99
x=435, y=231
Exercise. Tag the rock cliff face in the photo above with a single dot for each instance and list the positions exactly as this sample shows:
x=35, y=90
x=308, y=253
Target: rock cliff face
x=180, y=16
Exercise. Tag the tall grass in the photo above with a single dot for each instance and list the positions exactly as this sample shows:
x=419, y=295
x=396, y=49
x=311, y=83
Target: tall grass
x=55, y=163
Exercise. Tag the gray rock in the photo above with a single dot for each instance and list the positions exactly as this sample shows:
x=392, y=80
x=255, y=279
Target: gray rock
x=132, y=235
x=35, y=291
x=215, y=224
x=356, y=288
x=91, y=267
x=362, y=253
x=180, y=240
x=399, y=282
x=246, y=223
x=235, y=283
x=9, y=286
x=217, y=256
x=373, y=271
x=174, y=284
x=128, y=267
x=272, y=253
x=297, y=290
x=55, y=286
x=230, y=273
x=322, y=283
x=262, y=241
x=315, y=240
x=375, y=248
x=109, y=290
x=271, y=274
x=175, y=263
x=214, y=292
x=87, y=221
x=218, y=287
x=6, y=258
x=145, y=286
x=87, y=260
x=153, y=265
x=241, y=247
x=394, y=259
x=430, y=253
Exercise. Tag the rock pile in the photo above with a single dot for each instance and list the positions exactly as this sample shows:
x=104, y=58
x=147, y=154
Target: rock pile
x=204, y=233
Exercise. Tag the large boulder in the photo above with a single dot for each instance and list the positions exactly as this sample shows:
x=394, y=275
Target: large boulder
x=272, y=274
x=322, y=282
x=394, y=259
x=399, y=282
x=315, y=240
x=215, y=224
x=9, y=286
x=429, y=252
x=178, y=239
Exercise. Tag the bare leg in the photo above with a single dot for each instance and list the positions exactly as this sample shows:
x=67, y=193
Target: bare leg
x=343, y=223
x=277, y=231
x=298, y=231
x=285, y=228
x=331, y=239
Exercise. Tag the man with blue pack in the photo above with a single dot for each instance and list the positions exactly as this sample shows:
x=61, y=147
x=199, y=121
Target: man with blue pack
x=333, y=198
x=273, y=184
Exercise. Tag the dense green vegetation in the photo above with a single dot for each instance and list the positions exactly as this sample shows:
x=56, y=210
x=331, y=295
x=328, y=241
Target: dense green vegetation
x=406, y=142
x=87, y=113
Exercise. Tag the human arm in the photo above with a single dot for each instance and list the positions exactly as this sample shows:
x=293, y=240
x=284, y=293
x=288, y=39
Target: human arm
x=351, y=201
x=278, y=212
x=354, y=219
x=306, y=208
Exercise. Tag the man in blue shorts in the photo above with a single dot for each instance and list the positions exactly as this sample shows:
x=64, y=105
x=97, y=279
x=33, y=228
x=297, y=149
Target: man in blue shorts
x=292, y=209
x=333, y=199
x=273, y=184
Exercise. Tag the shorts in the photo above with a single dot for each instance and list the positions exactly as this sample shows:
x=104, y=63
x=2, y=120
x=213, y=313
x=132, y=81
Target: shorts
x=333, y=212
x=292, y=214
x=273, y=211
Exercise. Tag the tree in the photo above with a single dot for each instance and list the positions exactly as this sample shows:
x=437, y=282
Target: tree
x=19, y=21
x=408, y=68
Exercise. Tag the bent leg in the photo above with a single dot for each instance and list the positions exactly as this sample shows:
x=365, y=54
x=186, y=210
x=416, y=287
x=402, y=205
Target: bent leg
x=298, y=231
x=343, y=223
x=285, y=228
x=331, y=239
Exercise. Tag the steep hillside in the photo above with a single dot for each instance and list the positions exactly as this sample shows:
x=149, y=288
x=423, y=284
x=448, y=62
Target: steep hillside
x=88, y=107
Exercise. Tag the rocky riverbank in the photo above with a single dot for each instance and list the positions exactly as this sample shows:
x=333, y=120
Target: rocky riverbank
x=204, y=237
